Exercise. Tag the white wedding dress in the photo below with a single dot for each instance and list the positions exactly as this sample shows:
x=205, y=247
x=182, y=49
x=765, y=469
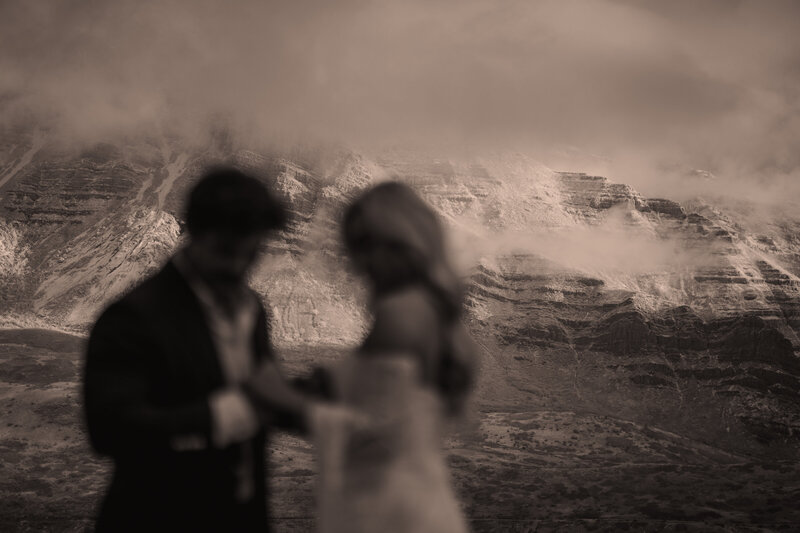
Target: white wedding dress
x=388, y=474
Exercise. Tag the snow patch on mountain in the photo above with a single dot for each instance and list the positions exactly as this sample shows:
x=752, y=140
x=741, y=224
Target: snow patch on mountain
x=13, y=253
x=310, y=303
x=175, y=168
x=16, y=164
x=101, y=263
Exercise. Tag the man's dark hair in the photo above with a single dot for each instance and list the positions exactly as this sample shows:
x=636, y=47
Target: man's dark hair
x=227, y=199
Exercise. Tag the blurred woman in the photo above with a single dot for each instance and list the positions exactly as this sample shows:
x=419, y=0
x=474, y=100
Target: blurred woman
x=413, y=371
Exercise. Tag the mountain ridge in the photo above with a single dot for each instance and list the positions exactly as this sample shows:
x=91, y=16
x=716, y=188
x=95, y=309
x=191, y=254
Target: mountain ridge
x=644, y=306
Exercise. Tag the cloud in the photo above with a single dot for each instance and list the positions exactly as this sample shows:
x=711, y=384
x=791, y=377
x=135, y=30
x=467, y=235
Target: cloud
x=621, y=242
x=709, y=85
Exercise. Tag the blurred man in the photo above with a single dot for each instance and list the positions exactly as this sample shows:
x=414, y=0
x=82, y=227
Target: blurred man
x=180, y=381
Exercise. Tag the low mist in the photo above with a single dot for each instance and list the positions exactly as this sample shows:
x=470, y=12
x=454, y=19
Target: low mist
x=623, y=243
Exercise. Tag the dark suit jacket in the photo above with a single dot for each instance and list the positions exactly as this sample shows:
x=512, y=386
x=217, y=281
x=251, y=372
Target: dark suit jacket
x=151, y=365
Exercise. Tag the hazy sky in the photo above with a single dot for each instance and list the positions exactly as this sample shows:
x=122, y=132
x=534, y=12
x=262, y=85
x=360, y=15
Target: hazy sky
x=705, y=84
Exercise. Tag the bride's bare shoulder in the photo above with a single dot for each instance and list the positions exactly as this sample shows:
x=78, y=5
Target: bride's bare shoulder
x=404, y=320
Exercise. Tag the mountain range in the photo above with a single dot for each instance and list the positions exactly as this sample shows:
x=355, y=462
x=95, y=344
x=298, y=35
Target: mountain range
x=677, y=319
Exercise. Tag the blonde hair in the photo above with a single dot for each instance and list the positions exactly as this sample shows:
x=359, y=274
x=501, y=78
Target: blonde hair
x=398, y=239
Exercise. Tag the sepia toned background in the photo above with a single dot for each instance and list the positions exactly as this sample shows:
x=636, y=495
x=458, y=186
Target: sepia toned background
x=619, y=181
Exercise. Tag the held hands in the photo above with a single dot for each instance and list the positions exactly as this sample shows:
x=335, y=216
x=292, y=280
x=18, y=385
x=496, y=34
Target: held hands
x=271, y=396
x=277, y=402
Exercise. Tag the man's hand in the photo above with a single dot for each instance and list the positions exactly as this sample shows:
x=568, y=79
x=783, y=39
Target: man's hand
x=318, y=384
x=273, y=399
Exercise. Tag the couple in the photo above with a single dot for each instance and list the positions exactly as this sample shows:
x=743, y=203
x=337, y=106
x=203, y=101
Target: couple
x=181, y=385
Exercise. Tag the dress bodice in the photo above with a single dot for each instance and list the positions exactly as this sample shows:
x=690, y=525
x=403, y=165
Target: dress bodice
x=404, y=417
x=390, y=469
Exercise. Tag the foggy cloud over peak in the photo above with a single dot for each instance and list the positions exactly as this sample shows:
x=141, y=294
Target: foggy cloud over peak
x=711, y=85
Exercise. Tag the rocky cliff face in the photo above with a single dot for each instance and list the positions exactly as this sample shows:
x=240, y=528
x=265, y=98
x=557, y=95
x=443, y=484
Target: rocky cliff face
x=585, y=293
x=77, y=228
x=582, y=291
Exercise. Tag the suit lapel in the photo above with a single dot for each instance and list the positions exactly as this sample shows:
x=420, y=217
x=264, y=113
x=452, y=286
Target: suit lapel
x=190, y=332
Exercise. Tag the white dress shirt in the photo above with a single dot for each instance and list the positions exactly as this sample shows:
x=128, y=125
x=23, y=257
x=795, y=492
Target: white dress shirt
x=233, y=419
